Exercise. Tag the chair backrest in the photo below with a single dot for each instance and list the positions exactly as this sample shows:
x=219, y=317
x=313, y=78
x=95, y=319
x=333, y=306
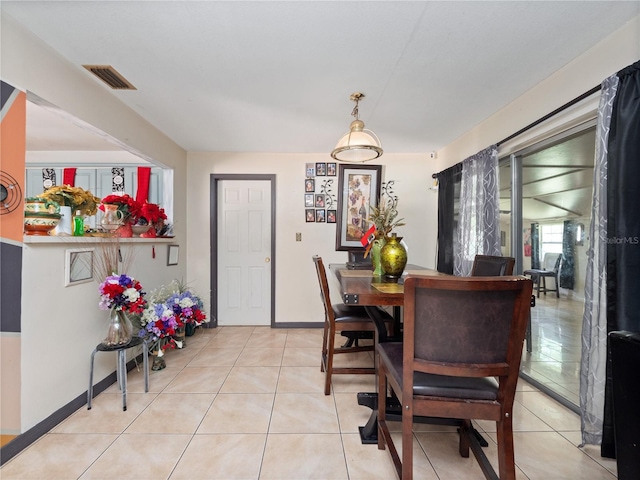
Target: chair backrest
x=465, y=326
x=551, y=261
x=492, y=266
x=324, y=286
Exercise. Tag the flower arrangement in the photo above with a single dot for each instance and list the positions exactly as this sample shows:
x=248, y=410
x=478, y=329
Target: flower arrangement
x=122, y=293
x=169, y=309
x=151, y=214
x=75, y=197
x=384, y=216
x=126, y=204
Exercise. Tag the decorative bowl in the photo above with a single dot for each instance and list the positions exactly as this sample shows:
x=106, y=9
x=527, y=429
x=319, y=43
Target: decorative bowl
x=39, y=205
x=140, y=229
x=40, y=223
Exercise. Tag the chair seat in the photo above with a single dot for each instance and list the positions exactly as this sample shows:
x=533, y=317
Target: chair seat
x=536, y=272
x=475, y=388
x=354, y=313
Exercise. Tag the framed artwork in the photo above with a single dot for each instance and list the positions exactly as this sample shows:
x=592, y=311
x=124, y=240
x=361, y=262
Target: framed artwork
x=359, y=189
x=78, y=266
x=320, y=216
x=332, y=169
x=172, y=258
x=331, y=216
x=310, y=169
x=310, y=215
x=321, y=169
x=308, y=200
x=309, y=185
x=320, y=201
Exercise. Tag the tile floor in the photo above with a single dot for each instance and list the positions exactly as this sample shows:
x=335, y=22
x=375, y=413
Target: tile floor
x=245, y=402
x=556, y=326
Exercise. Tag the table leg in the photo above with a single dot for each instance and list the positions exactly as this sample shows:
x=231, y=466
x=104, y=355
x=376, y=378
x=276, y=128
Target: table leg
x=145, y=364
x=90, y=390
x=369, y=432
x=122, y=369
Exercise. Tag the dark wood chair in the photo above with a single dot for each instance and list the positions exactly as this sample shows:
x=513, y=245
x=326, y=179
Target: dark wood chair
x=551, y=265
x=492, y=266
x=340, y=318
x=460, y=359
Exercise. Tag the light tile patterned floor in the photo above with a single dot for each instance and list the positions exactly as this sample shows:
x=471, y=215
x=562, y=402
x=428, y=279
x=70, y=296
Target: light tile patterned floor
x=245, y=402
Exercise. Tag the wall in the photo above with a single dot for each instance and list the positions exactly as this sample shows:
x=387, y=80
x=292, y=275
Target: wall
x=297, y=298
x=617, y=51
x=61, y=326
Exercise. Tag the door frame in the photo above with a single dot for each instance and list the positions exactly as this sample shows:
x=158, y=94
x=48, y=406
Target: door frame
x=214, y=179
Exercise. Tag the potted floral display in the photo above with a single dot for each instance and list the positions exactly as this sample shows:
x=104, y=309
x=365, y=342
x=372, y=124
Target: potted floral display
x=150, y=220
x=72, y=201
x=120, y=212
x=121, y=295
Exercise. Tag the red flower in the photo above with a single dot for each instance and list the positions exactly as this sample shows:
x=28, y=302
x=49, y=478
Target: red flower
x=152, y=213
x=126, y=204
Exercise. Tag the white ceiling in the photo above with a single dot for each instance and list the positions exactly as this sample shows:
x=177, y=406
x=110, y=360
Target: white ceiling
x=276, y=76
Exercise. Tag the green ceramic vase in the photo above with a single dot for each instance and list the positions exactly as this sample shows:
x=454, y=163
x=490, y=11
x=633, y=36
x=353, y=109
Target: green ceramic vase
x=375, y=256
x=393, y=257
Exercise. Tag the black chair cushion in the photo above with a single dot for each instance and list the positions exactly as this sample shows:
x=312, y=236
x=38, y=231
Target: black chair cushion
x=351, y=313
x=482, y=388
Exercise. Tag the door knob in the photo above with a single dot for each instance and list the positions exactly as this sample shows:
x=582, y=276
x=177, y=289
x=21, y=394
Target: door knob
x=267, y=259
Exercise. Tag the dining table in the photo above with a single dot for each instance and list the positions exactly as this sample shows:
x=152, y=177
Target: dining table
x=359, y=286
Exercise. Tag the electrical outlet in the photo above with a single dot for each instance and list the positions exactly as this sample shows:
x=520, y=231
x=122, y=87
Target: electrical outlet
x=298, y=237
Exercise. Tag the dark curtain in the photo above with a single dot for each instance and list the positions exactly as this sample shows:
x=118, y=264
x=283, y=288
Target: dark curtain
x=448, y=190
x=535, y=245
x=623, y=225
x=567, y=276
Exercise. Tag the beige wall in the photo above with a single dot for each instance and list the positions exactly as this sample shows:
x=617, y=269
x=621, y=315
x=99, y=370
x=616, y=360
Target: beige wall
x=61, y=325
x=297, y=297
x=617, y=51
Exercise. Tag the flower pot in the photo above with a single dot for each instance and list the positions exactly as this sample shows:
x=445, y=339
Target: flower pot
x=120, y=329
x=179, y=337
x=393, y=257
x=65, y=223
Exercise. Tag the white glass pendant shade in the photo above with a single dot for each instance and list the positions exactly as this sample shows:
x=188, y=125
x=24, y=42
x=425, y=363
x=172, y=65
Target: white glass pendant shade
x=358, y=145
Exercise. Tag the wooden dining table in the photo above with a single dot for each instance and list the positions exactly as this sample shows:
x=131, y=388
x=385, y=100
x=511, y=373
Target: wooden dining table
x=361, y=287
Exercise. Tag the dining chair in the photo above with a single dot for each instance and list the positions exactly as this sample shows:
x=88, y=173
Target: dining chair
x=460, y=359
x=351, y=319
x=496, y=266
x=492, y=266
x=551, y=265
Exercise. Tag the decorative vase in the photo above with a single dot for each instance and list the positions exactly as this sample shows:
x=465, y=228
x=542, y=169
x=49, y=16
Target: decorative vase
x=112, y=218
x=65, y=224
x=393, y=257
x=158, y=357
x=125, y=231
x=120, y=329
x=189, y=329
x=179, y=337
x=378, y=243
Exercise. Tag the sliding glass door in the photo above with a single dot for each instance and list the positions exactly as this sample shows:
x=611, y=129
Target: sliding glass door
x=545, y=200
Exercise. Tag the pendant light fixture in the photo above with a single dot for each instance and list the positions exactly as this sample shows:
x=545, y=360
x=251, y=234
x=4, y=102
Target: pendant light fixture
x=358, y=144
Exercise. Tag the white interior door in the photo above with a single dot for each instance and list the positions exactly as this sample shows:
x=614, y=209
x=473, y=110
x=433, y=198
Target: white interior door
x=244, y=252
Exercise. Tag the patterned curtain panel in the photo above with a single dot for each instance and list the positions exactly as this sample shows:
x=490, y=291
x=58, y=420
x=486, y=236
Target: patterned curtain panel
x=535, y=245
x=567, y=276
x=479, y=227
x=594, y=321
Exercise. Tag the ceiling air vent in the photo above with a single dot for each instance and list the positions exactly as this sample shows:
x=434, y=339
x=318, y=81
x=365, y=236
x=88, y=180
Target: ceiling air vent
x=110, y=76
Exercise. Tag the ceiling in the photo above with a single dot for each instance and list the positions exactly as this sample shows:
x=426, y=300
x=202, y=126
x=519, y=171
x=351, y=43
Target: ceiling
x=271, y=76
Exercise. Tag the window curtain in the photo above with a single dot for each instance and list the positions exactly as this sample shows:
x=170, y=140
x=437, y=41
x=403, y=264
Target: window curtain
x=448, y=194
x=623, y=225
x=611, y=300
x=479, y=228
x=535, y=246
x=567, y=277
